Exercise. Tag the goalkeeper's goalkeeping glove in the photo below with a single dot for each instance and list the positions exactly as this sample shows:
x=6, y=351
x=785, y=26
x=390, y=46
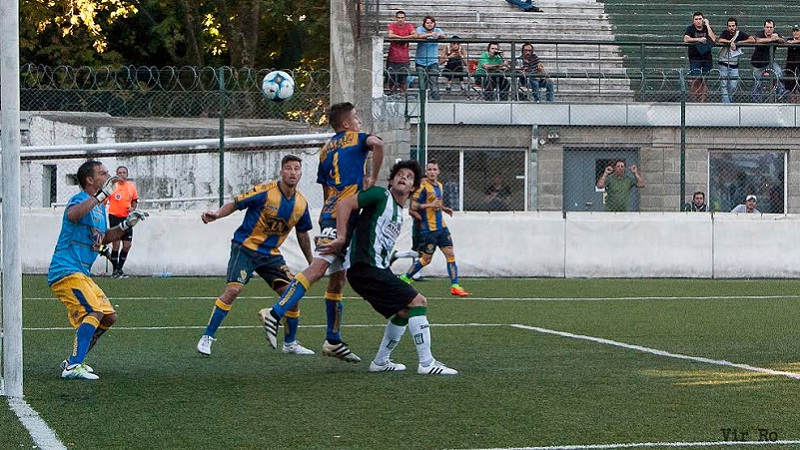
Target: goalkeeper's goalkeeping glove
x=133, y=218
x=106, y=190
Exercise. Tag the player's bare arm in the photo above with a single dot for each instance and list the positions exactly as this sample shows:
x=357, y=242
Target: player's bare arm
x=305, y=244
x=376, y=145
x=224, y=211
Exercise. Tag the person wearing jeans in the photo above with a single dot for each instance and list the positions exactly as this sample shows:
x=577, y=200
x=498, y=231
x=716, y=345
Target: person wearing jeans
x=728, y=64
x=763, y=60
x=427, y=56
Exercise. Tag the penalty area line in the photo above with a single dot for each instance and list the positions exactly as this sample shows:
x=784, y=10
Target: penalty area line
x=654, y=445
x=653, y=351
x=43, y=436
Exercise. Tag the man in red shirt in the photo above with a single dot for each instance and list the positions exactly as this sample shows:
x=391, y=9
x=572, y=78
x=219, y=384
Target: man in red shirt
x=121, y=202
x=398, y=59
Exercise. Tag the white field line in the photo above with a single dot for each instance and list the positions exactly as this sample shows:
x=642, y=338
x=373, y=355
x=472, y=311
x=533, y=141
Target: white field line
x=246, y=327
x=43, y=436
x=653, y=351
x=505, y=299
x=652, y=445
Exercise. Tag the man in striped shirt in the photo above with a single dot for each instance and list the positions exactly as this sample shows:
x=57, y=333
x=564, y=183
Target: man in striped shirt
x=379, y=224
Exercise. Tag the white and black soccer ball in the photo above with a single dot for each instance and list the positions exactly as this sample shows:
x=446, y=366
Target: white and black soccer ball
x=277, y=86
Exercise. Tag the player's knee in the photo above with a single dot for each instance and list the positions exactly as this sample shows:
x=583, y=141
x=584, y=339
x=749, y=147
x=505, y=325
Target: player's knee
x=109, y=320
x=425, y=259
x=419, y=300
x=232, y=291
x=316, y=270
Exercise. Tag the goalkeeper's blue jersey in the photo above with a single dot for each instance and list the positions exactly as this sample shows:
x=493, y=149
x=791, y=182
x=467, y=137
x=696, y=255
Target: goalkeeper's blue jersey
x=342, y=163
x=269, y=218
x=79, y=242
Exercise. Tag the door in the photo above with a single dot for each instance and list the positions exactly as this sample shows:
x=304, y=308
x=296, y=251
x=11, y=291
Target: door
x=582, y=168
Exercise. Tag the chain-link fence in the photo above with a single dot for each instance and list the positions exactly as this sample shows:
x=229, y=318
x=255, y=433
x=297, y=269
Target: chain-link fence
x=511, y=153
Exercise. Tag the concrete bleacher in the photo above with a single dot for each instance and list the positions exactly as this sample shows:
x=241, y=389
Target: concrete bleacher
x=586, y=72
x=666, y=22
x=575, y=68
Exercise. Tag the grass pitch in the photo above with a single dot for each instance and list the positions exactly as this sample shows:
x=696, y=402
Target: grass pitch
x=520, y=385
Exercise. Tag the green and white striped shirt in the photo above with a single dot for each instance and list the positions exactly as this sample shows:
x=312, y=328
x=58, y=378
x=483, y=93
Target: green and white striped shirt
x=379, y=225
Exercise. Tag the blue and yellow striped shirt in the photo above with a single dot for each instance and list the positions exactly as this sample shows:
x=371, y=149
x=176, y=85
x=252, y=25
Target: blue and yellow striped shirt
x=269, y=218
x=432, y=219
x=342, y=164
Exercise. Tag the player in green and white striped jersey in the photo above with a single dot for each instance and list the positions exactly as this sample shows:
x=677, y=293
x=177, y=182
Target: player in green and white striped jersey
x=379, y=224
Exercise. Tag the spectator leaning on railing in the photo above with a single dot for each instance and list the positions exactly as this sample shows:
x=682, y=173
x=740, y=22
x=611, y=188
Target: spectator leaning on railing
x=729, y=58
x=492, y=70
x=763, y=60
x=397, y=61
x=427, y=56
x=702, y=38
x=792, y=71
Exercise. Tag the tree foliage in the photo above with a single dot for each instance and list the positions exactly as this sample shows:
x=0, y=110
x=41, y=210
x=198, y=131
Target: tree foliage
x=241, y=33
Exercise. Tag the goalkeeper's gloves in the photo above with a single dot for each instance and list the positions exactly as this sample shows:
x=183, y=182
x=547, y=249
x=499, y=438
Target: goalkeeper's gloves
x=106, y=190
x=133, y=218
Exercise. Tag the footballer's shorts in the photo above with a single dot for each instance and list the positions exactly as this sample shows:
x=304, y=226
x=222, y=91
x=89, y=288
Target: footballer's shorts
x=328, y=234
x=416, y=236
x=385, y=291
x=81, y=295
x=114, y=221
x=431, y=240
x=272, y=268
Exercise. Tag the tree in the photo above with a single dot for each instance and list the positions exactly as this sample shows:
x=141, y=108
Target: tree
x=239, y=33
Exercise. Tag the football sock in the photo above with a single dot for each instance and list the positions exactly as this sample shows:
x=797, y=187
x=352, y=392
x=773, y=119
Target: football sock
x=420, y=330
x=416, y=267
x=452, y=271
x=293, y=293
x=217, y=316
x=334, y=309
x=83, y=335
x=391, y=337
x=290, y=322
x=123, y=256
x=115, y=259
x=406, y=254
x=97, y=333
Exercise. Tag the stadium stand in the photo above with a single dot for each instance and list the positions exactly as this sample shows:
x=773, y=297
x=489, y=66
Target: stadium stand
x=588, y=72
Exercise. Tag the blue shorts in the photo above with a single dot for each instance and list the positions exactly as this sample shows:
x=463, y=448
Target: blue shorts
x=430, y=240
x=697, y=68
x=272, y=268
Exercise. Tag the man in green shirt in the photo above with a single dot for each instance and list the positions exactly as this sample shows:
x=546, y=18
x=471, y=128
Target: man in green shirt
x=618, y=185
x=492, y=72
x=379, y=224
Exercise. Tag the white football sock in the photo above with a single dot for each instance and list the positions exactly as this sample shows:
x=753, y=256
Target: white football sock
x=420, y=330
x=406, y=254
x=391, y=337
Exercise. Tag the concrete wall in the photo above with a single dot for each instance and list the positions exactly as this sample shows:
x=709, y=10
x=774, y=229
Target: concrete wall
x=590, y=245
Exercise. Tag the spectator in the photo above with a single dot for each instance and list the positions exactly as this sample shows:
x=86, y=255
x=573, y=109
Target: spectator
x=698, y=203
x=454, y=59
x=763, y=60
x=497, y=195
x=702, y=38
x=729, y=58
x=792, y=72
x=427, y=56
x=619, y=185
x=492, y=71
x=526, y=6
x=397, y=61
x=748, y=207
x=534, y=75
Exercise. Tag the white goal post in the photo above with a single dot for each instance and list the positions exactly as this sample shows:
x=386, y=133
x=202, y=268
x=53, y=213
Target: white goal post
x=10, y=234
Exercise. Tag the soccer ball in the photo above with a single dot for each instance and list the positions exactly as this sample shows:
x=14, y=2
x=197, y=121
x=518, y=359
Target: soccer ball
x=278, y=86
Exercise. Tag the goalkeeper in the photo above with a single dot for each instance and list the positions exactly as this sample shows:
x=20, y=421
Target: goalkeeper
x=83, y=231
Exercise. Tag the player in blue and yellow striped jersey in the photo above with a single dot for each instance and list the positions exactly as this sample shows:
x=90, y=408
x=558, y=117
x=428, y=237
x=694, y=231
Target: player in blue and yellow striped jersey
x=83, y=232
x=341, y=172
x=272, y=210
x=434, y=232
